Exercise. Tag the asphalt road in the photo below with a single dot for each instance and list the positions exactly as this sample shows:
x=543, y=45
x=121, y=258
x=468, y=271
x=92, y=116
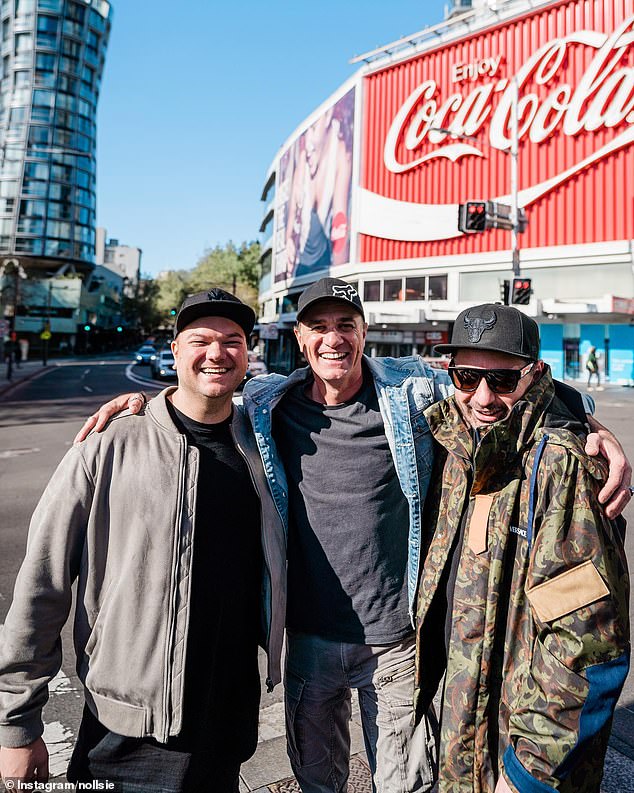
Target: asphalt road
x=38, y=421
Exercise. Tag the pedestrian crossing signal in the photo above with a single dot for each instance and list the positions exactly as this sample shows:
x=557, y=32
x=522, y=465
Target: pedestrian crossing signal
x=521, y=291
x=473, y=217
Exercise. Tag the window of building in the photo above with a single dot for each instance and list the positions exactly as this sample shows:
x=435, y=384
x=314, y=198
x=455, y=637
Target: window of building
x=6, y=206
x=372, y=291
x=71, y=47
x=39, y=136
x=24, y=7
x=67, y=84
x=55, y=228
x=8, y=189
x=5, y=244
x=30, y=226
x=62, y=173
x=289, y=303
x=50, y=5
x=28, y=245
x=72, y=28
x=415, y=288
x=392, y=289
x=33, y=209
x=76, y=12
x=36, y=170
x=22, y=79
x=23, y=48
x=33, y=187
x=60, y=192
x=437, y=287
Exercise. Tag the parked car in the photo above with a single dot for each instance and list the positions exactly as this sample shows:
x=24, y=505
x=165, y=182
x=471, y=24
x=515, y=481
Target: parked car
x=163, y=365
x=145, y=354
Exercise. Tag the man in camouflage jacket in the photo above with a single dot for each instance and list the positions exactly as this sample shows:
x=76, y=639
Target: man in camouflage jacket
x=523, y=599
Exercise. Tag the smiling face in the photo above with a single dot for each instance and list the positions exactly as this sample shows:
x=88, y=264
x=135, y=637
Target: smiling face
x=332, y=337
x=211, y=361
x=482, y=406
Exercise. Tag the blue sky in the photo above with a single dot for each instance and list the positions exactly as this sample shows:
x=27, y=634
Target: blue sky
x=197, y=98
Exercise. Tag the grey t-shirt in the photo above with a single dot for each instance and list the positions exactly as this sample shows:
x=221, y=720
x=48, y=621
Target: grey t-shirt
x=348, y=520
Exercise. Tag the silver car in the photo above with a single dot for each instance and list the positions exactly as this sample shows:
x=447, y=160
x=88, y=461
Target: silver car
x=163, y=365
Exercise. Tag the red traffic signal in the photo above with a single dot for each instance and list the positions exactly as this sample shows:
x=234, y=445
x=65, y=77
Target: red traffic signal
x=472, y=216
x=521, y=291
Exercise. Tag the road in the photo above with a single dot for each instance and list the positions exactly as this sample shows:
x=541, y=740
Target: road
x=38, y=421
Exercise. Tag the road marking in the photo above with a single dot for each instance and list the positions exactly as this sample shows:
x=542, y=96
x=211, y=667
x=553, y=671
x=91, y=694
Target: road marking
x=136, y=379
x=58, y=738
x=87, y=388
x=16, y=453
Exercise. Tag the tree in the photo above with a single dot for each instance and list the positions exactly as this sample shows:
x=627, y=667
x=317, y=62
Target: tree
x=141, y=310
x=230, y=268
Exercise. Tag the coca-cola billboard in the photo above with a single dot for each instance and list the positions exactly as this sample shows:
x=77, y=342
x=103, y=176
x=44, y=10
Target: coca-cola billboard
x=572, y=65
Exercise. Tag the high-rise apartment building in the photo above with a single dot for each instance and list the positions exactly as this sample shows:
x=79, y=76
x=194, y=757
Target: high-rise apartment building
x=52, y=60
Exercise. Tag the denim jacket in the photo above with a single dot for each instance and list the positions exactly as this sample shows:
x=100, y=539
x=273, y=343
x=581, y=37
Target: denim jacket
x=405, y=388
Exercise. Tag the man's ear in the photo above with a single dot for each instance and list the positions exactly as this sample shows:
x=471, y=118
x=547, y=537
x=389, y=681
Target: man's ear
x=298, y=338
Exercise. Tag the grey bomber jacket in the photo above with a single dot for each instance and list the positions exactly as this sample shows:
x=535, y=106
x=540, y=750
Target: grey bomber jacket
x=117, y=515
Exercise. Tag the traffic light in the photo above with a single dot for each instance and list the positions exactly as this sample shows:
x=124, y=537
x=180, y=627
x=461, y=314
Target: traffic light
x=472, y=217
x=119, y=329
x=475, y=216
x=86, y=327
x=505, y=288
x=173, y=312
x=521, y=291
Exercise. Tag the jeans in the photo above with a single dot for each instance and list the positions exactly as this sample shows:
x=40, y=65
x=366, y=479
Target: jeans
x=319, y=677
x=142, y=765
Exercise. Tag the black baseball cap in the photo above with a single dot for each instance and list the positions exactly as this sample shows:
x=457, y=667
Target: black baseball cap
x=494, y=327
x=215, y=303
x=329, y=289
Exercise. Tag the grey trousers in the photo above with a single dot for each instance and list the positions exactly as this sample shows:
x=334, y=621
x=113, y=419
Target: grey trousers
x=318, y=681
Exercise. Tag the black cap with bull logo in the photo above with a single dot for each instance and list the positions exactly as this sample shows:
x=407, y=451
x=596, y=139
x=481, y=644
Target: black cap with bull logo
x=494, y=327
x=329, y=289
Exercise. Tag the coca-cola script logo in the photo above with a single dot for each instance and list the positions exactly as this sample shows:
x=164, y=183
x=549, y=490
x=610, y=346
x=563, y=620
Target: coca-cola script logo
x=602, y=99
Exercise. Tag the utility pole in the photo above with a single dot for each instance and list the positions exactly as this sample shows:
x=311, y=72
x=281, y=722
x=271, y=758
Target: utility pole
x=514, y=177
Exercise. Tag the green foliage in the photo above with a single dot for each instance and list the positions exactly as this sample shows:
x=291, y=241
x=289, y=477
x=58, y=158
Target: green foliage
x=141, y=310
x=235, y=269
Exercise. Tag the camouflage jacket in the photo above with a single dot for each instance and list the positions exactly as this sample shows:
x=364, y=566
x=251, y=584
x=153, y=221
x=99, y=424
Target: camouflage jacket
x=533, y=610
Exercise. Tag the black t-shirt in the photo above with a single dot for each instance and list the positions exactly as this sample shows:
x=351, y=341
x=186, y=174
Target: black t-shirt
x=348, y=520
x=222, y=682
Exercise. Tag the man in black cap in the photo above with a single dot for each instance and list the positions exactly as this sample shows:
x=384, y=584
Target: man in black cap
x=166, y=521
x=522, y=604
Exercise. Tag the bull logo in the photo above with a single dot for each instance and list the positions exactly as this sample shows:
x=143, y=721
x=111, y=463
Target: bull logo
x=348, y=291
x=477, y=325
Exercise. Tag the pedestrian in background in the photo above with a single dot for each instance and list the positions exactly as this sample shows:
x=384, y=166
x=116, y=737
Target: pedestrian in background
x=592, y=365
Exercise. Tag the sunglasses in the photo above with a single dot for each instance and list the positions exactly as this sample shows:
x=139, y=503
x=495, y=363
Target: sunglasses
x=500, y=381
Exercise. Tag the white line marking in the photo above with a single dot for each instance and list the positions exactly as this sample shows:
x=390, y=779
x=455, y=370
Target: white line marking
x=136, y=379
x=87, y=388
x=16, y=453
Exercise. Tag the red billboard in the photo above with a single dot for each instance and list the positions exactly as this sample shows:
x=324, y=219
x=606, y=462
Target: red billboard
x=572, y=65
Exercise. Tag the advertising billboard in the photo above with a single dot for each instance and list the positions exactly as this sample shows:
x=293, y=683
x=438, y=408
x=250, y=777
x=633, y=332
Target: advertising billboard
x=438, y=130
x=313, y=195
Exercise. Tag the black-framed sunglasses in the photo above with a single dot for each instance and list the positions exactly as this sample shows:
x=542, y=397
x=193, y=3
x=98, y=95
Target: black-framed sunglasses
x=500, y=381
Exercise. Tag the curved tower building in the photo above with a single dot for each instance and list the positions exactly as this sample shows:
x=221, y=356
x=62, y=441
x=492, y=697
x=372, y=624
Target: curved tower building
x=52, y=61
